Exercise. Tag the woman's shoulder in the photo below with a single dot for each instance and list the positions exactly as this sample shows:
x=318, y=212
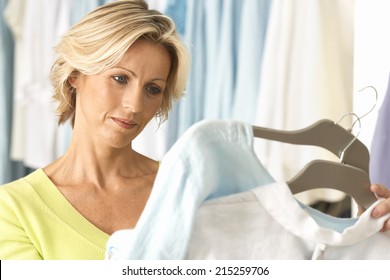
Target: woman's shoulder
x=22, y=185
x=147, y=164
x=26, y=195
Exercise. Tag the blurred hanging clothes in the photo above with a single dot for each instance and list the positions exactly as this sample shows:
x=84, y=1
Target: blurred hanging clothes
x=220, y=79
x=14, y=16
x=226, y=39
x=9, y=169
x=159, y=5
x=251, y=41
x=191, y=105
x=307, y=75
x=79, y=9
x=34, y=133
x=177, y=11
x=380, y=151
x=234, y=58
x=6, y=76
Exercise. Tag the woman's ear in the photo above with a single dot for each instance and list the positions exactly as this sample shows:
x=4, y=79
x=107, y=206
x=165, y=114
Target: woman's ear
x=73, y=81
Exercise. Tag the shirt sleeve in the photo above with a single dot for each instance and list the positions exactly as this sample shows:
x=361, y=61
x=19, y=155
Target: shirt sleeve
x=15, y=243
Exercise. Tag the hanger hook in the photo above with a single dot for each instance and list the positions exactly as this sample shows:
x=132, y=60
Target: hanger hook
x=376, y=101
x=342, y=154
x=353, y=124
x=346, y=115
x=358, y=119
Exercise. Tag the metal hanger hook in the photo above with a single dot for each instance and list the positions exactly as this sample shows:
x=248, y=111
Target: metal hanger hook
x=353, y=124
x=358, y=119
x=372, y=108
x=342, y=154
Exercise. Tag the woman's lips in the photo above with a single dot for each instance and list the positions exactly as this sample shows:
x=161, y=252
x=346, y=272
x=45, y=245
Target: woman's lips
x=124, y=123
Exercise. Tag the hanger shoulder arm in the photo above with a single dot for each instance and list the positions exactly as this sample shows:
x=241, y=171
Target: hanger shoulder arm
x=327, y=174
x=323, y=133
x=326, y=134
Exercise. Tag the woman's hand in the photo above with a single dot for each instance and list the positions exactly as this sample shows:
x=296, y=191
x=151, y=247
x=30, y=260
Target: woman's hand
x=383, y=207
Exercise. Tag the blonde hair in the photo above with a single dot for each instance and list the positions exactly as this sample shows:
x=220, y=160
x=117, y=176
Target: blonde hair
x=101, y=39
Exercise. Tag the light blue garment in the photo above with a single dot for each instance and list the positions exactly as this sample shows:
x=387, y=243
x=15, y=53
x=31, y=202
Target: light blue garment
x=251, y=39
x=176, y=10
x=81, y=8
x=210, y=31
x=6, y=81
x=226, y=40
x=212, y=159
x=327, y=221
x=213, y=22
x=191, y=105
x=219, y=95
x=380, y=146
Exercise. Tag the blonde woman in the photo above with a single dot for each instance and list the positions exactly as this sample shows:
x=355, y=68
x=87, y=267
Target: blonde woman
x=121, y=66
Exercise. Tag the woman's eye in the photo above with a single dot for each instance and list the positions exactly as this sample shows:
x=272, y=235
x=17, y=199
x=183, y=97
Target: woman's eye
x=120, y=79
x=153, y=90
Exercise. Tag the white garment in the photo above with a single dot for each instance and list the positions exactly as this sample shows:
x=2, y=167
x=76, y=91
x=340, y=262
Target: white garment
x=159, y=5
x=307, y=75
x=269, y=223
x=34, y=136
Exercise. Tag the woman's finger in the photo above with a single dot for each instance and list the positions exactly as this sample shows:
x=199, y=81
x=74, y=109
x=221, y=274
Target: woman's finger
x=380, y=190
x=386, y=226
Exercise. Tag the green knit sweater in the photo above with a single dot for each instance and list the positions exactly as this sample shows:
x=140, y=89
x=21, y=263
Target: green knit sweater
x=37, y=222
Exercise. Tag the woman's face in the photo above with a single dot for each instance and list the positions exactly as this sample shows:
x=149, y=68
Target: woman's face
x=115, y=106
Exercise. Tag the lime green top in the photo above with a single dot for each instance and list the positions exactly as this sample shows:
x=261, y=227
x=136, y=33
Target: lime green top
x=37, y=222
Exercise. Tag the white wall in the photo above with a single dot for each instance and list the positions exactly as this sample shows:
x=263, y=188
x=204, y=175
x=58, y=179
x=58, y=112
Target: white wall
x=372, y=60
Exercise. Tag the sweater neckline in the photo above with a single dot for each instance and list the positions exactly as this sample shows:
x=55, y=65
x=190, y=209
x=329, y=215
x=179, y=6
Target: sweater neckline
x=65, y=211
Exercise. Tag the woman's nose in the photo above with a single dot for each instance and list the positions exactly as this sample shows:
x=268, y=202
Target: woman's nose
x=133, y=99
